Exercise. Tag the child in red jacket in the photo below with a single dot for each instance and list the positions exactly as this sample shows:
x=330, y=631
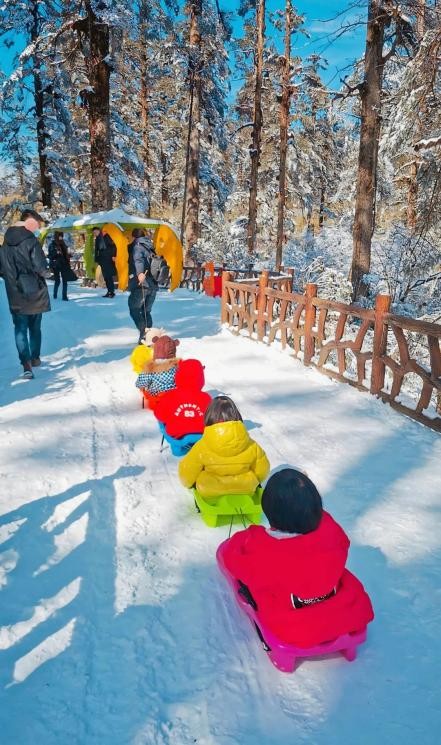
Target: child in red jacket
x=182, y=409
x=294, y=571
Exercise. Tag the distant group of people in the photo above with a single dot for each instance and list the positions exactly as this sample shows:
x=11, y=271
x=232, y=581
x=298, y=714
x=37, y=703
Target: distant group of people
x=24, y=269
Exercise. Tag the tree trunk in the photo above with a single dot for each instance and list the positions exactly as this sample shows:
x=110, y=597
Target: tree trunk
x=364, y=220
x=98, y=106
x=412, y=192
x=165, y=197
x=412, y=196
x=45, y=180
x=284, y=121
x=257, y=126
x=210, y=197
x=322, y=204
x=144, y=108
x=191, y=222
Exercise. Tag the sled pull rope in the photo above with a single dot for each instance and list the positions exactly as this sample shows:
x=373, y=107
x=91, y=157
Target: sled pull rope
x=143, y=305
x=244, y=522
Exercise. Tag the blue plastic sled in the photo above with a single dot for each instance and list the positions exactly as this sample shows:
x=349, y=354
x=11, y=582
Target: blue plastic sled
x=181, y=446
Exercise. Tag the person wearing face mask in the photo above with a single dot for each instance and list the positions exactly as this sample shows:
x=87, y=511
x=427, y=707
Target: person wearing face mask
x=23, y=268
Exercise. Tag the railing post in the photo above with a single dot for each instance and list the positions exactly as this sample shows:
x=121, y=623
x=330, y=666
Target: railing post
x=290, y=271
x=382, y=306
x=226, y=277
x=261, y=304
x=309, y=345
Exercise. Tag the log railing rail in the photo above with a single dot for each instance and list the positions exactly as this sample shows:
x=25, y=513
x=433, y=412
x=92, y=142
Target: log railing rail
x=368, y=348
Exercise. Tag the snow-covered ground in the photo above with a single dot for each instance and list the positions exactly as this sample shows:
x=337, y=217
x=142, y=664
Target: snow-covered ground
x=115, y=625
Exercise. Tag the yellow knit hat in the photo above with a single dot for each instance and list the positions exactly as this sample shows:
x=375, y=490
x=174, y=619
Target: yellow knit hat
x=140, y=356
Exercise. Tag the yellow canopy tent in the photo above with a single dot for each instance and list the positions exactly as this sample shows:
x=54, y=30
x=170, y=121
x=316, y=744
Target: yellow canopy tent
x=119, y=225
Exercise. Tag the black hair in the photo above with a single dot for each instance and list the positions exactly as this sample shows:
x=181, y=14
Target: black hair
x=291, y=502
x=31, y=213
x=138, y=233
x=221, y=409
x=58, y=234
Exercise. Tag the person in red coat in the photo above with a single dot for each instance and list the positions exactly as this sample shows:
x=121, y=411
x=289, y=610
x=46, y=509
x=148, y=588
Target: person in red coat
x=294, y=571
x=182, y=410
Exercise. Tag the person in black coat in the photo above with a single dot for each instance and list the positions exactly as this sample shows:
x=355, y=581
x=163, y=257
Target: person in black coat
x=59, y=263
x=23, y=268
x=105, y=253
x=142, y=286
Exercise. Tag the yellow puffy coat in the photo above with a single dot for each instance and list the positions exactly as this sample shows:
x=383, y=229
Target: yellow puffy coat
x=224, y=461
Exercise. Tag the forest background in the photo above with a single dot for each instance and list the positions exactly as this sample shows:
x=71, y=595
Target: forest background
x=270, y=133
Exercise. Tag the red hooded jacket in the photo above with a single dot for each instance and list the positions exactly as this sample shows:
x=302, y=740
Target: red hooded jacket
x=182, y=410
x=307, y=566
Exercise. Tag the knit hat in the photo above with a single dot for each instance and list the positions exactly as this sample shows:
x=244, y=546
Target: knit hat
x=150, y=335
x=140, y=356
x=164, y=348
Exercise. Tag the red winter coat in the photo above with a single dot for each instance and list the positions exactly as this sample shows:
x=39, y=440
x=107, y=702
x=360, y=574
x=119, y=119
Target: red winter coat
x=308, y=566
x=182, y=410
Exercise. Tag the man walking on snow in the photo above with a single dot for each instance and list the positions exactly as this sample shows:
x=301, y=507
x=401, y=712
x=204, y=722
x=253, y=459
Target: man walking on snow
x=105, y=253
x=23, y=267
x=142, y=286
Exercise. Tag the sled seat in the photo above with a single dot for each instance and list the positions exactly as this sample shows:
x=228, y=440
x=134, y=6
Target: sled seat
x=283, y=655
x=228, y=508
x=178, y=446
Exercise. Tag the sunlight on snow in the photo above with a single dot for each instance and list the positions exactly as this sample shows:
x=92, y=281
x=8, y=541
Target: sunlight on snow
x=66, y=542
x=10, y=635
x=406, y=523
x=63, y=510
x=51, y=647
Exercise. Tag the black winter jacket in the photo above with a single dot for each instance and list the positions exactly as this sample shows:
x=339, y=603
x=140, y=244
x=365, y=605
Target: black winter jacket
x=23, y=267
x=58, y=257
x=142, y=255
x=105, y=249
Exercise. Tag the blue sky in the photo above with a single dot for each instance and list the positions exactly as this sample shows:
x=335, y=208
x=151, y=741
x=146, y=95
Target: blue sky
x=322, y=23
x=339, y=53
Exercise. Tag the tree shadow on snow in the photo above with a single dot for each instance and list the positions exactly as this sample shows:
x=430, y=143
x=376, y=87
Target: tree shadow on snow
x=71, y=666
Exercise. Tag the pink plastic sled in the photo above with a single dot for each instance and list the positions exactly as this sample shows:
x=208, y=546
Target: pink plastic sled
x=282, y=655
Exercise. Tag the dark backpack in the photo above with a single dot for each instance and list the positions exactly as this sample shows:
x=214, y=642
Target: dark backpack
x=159, y=270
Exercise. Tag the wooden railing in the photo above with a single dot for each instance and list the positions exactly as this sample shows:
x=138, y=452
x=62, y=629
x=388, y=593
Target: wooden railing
x=393, y=357
x=193, y=276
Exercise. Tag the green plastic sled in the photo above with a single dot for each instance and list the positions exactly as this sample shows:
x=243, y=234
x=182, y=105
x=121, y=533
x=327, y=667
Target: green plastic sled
x=236, y=508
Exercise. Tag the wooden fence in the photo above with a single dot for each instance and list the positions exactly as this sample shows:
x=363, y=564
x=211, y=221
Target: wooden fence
x=193, y=276
x=393, y=357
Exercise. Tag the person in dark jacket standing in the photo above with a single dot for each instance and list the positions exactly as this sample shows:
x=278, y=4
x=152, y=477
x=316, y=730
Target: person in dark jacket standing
x=142, y=286
x=59, y=263
x=105, y=253
x=23, y=268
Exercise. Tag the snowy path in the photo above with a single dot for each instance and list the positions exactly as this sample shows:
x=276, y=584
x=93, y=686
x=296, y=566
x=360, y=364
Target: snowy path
x=115, y=626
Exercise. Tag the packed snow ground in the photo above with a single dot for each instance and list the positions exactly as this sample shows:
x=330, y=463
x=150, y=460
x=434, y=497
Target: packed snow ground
x=115, y=625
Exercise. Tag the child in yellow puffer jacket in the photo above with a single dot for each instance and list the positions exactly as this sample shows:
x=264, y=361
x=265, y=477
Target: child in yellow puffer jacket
x=225, y=460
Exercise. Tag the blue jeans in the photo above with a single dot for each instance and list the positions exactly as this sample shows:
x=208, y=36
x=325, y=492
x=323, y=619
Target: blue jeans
x=28, y=348
x=57, y=274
